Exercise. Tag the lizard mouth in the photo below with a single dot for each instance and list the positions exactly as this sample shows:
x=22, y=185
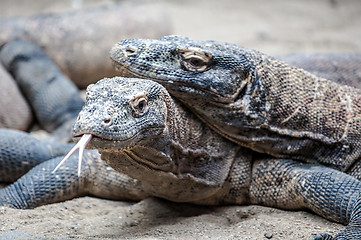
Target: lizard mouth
x=94, y=138
x=103, y=143
x=126, y=71
x=99, y=142
x=146, y=156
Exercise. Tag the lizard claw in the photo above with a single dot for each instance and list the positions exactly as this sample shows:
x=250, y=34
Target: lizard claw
x=85, y=139
x=323, y=236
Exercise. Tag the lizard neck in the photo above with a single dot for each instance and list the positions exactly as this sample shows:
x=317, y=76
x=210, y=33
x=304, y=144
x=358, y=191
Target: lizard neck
x=183, y=126
x=300, y=112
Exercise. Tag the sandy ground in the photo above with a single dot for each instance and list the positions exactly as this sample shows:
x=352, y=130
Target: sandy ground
x=274, y=27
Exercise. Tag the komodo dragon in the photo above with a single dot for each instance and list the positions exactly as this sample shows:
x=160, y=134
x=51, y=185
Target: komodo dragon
x=21, y=152
x=141, y=131
x=252, y=99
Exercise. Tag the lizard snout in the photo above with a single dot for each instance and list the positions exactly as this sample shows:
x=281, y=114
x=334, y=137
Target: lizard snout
x=121, y=52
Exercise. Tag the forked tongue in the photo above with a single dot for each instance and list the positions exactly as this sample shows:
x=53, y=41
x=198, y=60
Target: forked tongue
x=85, y=139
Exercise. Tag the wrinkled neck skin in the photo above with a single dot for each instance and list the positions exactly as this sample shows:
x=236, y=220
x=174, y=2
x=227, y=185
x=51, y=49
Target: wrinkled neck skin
x=188, y=162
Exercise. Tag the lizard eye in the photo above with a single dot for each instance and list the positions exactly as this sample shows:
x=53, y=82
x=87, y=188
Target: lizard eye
x=139, y=104
x=195, y=60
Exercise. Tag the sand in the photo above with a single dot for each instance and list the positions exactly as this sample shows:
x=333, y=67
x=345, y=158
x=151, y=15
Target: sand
x=274, y=27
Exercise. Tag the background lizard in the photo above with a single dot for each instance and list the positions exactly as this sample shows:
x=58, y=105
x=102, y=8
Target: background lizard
x=252, y=99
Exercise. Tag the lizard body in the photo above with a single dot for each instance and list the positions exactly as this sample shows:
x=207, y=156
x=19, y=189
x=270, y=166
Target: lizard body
x=141, y=131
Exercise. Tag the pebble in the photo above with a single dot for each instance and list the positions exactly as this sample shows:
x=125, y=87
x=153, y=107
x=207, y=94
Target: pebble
x=268, y=235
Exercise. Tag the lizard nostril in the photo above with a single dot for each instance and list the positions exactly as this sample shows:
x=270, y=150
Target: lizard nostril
x=130, y=51
x=107, y=120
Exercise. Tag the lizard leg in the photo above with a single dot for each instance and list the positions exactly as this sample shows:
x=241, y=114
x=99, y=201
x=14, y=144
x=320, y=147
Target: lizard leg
x=292, y=185
x=41, y=186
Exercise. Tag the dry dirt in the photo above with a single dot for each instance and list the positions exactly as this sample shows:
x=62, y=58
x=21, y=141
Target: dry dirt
x=274, y=27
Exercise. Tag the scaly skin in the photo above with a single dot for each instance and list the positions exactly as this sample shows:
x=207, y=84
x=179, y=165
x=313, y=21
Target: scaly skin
x=342, y=68
x=15, y=111
x=141, y=131
x=296, y=185
x=252, y=99
x=20, y=152
x=54, y=99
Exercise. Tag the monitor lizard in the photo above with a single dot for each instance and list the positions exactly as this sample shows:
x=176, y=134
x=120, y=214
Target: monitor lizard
x=141, y=131
x=254, y=100
x=157, y=147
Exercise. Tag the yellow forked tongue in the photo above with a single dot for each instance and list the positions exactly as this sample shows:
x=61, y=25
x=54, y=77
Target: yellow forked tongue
x=85, y=139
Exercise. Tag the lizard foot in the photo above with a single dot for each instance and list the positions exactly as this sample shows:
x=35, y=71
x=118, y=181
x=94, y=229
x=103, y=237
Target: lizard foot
x=323, y=236
x=350, y=233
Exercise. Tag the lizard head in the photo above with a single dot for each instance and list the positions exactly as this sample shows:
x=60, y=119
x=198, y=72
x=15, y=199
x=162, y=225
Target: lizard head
x=219, y=70
x=121, y=114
